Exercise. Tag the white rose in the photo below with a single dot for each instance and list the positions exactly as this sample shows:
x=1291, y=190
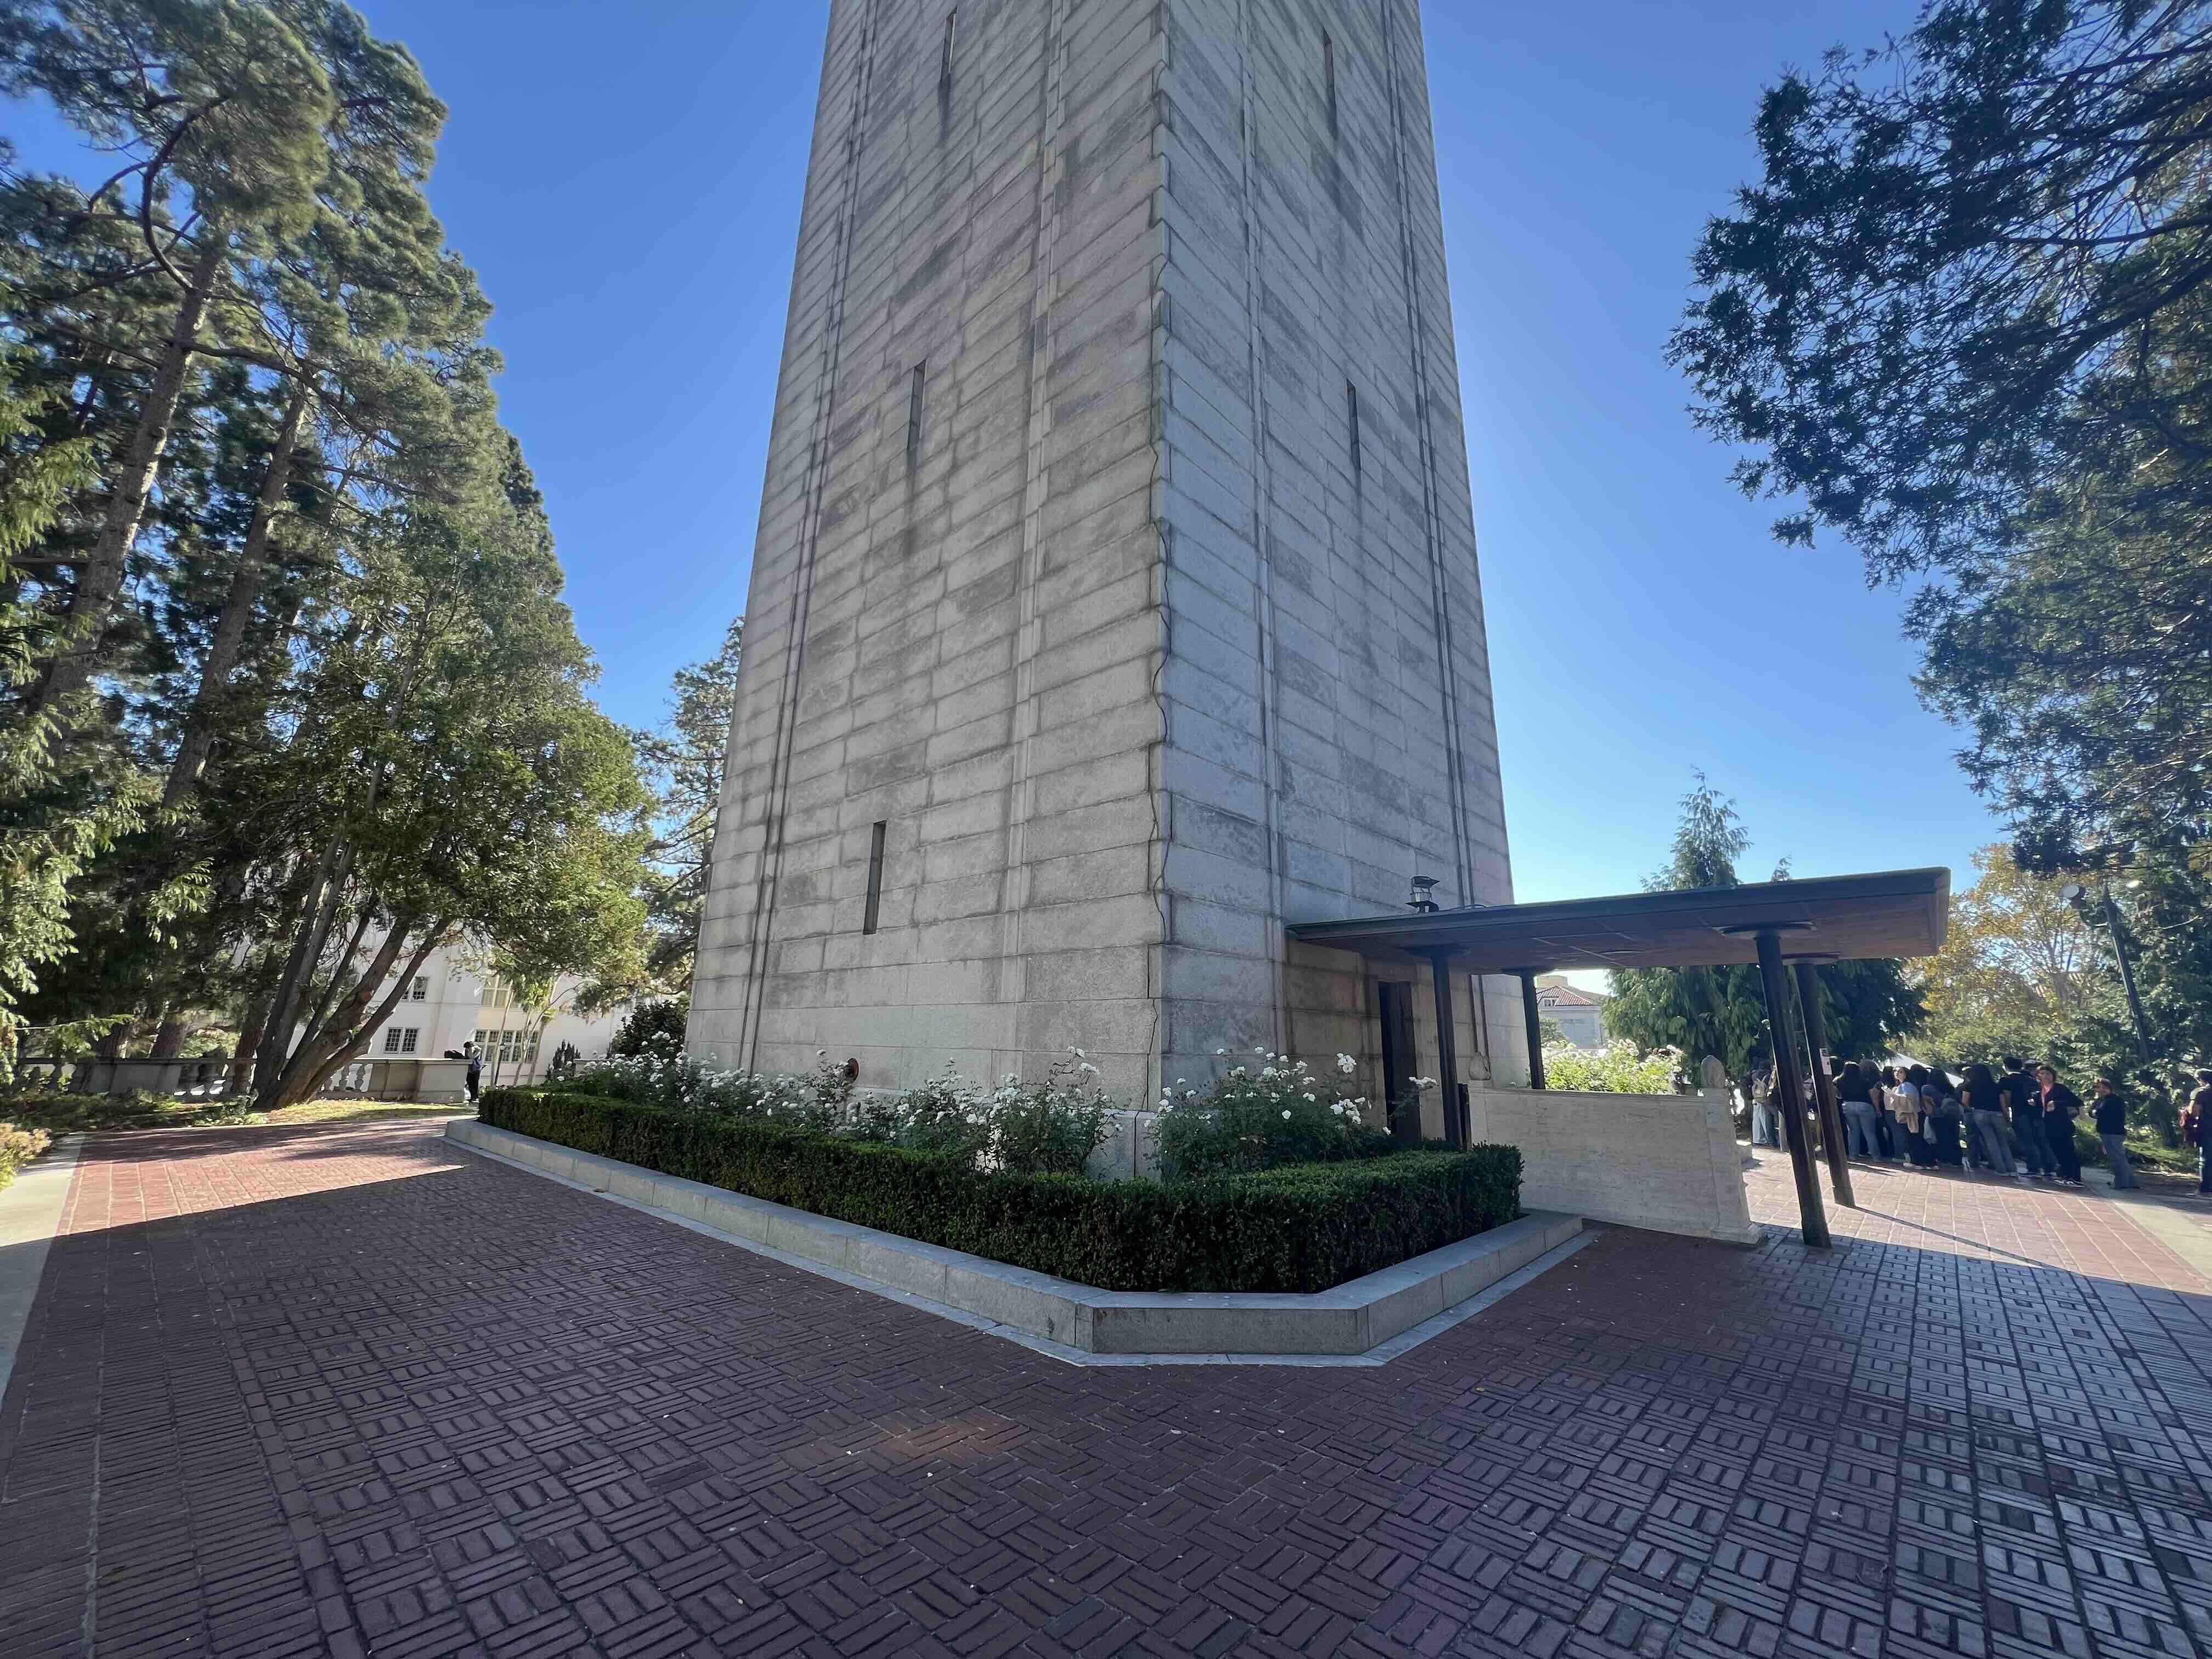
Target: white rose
x=1286, y=1117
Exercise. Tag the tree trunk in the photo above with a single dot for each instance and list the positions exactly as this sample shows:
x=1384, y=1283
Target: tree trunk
x=229, y=641
x=171, y=1036
x=322, y=1051
x=322, y=1009
x=249, y=1039
x=321, y=901
x=100, y=579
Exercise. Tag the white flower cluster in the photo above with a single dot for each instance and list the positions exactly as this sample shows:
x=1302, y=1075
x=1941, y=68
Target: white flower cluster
x=1040, y=1127
x=1268, y=1109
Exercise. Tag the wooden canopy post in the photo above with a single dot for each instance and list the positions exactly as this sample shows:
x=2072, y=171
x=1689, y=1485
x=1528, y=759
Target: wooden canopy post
x=1448, y=1052
x=1776, y=983
x=1533, y=1017
x=1824, y=1086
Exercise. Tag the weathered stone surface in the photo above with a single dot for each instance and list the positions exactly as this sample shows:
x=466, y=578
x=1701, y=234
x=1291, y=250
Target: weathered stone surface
x=1126, y=640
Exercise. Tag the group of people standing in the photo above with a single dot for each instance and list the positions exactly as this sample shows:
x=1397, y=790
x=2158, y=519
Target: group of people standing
x=2020, y=1124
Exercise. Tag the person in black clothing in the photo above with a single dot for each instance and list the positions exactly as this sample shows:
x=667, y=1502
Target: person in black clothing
x=2111, y=1116
x=1939, y=1116
x=1856, y=1099
x=2026, y=1109
x=1986, y=1118
x=2196, y=1130
x=471, y=1053
x=2061, y=1108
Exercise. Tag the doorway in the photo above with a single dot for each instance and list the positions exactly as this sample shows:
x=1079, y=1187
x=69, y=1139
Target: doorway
x=1400, y=1064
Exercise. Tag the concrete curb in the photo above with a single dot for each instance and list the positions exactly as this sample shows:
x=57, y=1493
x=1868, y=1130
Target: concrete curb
x=30, y=1213
x=1348, y=1324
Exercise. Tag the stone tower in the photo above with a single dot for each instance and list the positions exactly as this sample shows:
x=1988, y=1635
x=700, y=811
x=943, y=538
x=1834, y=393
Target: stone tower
x=1114, y=599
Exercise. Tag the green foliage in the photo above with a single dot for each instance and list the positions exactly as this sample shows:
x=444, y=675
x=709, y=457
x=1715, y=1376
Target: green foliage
x=1278, y=1112
x=1722, y=1011
x=2027, y=971
x=684, y=761
x=62, y=1113
x=18, y=1145
x=1697, y=1011
x=1869, y=1006
x=1296, y=1230
x=652, y=1028
x=1963, y=320
x=1034, y=1128
x=266, y=555
x=1618, y=1068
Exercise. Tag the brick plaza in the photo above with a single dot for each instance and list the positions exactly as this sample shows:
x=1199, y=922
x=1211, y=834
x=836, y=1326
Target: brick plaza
x=346, y=1391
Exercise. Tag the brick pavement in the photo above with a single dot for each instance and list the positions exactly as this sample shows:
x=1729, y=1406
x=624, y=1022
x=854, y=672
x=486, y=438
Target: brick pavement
x=343, y=1391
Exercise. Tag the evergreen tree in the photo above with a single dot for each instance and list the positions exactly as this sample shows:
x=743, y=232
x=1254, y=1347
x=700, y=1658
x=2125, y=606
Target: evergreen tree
x=1718, y=1011
x=1722, y=1011
x=685, y=760
x=1962, y=320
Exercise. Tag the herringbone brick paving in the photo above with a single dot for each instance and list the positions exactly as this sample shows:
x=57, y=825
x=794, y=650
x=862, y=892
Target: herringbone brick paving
x=346, y=1391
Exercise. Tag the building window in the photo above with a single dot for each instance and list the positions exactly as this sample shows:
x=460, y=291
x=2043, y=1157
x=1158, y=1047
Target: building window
x=875, y=877
x=391, y=1041
x=1352, y=408
x=409, y=1038
x=914, y=417
x=1329, y=79
x=945, y=64
x=422, y=991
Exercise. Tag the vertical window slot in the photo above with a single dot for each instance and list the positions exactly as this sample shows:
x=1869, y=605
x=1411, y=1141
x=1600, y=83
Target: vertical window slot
x=875, y=877
x=1351, y=407
x=1329, y=79
x=914, y=417
x=944, y=62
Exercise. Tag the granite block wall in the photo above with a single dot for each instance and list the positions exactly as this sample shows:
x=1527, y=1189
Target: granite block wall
x=1104, y=616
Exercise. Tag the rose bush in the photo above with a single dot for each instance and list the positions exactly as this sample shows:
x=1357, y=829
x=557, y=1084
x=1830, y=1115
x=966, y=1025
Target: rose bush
x=1265, y=1114
x=1023, y=1129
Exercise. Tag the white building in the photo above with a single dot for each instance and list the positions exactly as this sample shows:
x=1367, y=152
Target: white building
x=450, y=1002
x=1580, y=1015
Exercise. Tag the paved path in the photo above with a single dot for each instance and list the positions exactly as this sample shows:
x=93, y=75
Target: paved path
x=293, y=1392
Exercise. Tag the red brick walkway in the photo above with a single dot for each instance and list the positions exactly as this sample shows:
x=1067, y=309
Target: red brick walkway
x=343, y=1391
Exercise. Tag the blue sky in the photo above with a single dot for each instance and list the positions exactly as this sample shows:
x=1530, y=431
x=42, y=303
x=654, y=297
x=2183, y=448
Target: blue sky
x=627, y=179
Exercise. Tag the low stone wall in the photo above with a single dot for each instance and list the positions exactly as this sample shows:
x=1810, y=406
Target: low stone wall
x=1669, y=1163
x=437, y=1082
x=1353, y=1319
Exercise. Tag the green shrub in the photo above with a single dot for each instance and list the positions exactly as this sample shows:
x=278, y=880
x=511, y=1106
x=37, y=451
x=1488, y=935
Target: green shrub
x=1615, y=1069
x=1027, y=1128
x=1278, y=1112
x=18, y=1146
x=1299, y=1229
x=652, y=1028
x=64, y=1113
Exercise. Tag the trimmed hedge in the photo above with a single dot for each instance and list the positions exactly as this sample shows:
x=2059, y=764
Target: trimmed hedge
x=1301, y=1228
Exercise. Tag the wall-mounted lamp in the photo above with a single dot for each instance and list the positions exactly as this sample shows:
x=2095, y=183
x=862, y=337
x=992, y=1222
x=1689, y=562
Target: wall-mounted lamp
x=1424, y=896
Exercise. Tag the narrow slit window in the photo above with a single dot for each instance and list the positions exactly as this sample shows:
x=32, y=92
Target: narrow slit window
x=1329, y=79
x=875, y=878
x=1352, y=408
x=944, y=62
x=914, y=417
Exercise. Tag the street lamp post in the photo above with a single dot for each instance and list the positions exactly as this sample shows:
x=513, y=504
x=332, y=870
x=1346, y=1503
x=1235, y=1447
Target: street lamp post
x=2073, y=892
